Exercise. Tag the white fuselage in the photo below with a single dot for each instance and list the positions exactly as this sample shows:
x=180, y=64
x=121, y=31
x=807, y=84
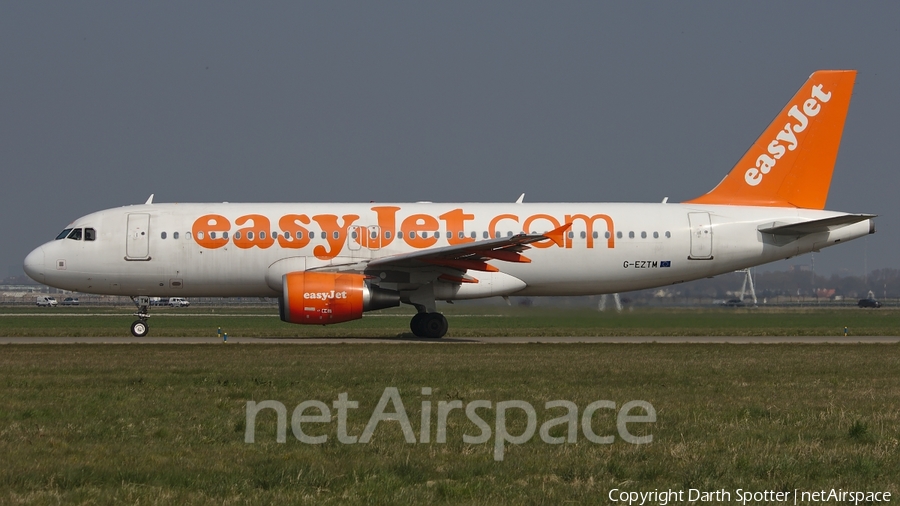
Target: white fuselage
x=135, y=250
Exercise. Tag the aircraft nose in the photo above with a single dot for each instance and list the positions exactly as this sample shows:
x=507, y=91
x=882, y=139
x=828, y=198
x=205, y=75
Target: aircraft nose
x=34, y=264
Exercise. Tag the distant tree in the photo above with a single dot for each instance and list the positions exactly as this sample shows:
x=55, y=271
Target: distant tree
x=885, y=282
x=771, y=284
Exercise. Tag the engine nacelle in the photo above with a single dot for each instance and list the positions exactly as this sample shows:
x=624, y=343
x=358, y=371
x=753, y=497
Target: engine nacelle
x=320, y=298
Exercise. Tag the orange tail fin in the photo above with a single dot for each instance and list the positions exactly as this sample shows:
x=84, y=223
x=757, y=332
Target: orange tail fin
x=791, y=163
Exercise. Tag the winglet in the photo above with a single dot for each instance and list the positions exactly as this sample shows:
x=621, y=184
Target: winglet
x=520, y=199
x=149, y=201
x=791, y=163
x=556, y=235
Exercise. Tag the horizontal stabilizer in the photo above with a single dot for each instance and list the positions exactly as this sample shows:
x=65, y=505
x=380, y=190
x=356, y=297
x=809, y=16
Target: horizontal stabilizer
x=812, y=227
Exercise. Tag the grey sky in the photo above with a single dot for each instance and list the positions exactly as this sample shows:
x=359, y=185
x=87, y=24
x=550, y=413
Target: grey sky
x=103, y=104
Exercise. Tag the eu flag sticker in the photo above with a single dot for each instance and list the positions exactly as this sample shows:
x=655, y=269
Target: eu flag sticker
x=665, y=263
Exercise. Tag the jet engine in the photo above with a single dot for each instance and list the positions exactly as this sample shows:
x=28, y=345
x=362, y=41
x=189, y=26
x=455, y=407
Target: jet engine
x=320, y=298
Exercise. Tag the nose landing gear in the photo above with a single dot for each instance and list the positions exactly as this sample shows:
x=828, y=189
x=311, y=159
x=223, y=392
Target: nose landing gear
x=140, y=328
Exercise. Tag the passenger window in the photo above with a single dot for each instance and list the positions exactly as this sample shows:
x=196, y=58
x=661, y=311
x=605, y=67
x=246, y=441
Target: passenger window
x=299, y=235
x=485, y=234
x=461, y=234
x=656, y=235
x=606, y=235
x=187, y=235
x=336, y=234
x=497, y=234
x=374, y=235
x=262, y=235
x=174, y=235
x=324, y=235
x=237, y=235
x=63, y=234
x=509, y=234
x=249, y=235
x=312, y=235
x=631, y=235
x=643, y=235
x=353, y=234
x=618, y=235
x=89, y=234
x=162, y=235
x=596, y=235
x=583, y=235
x=212, y=235
x=571, y=235
x=387, y=234
x=199, y=234
x=668, y=235
x=224, y=235
x=474, y=235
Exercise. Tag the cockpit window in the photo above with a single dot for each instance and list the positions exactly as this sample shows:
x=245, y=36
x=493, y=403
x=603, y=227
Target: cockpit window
x=75, y=234
x=63, y=234
x=89, y=234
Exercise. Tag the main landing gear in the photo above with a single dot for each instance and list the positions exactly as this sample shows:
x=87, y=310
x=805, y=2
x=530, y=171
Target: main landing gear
x=140, y=328
x=429, y=325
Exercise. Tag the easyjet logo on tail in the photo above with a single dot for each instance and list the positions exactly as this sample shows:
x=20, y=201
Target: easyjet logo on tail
x=786, y=139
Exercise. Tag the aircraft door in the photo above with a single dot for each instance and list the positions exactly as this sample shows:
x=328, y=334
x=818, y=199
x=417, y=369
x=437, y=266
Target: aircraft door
x=137, y=241
x=361, y=240
x=354, y=239
x=701, y=236
x=374, y=232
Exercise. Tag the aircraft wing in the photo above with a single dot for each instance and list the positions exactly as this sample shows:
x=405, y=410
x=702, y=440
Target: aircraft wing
x=472, y=255
x=814, y=226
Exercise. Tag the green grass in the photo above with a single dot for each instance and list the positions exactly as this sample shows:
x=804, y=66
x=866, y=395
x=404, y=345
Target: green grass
x=165, y=424
x=465, y=321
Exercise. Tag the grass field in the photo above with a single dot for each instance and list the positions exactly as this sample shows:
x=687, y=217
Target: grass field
x=465, y=321
x=154, y=424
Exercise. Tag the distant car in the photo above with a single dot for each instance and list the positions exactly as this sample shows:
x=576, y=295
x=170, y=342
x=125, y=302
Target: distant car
x=178, y=302
x=44, y=301
x=868, y=303
x=70, y=301
x=733, y=303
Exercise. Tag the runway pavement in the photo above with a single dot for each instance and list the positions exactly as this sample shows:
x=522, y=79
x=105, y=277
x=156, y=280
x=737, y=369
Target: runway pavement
x=469, y=340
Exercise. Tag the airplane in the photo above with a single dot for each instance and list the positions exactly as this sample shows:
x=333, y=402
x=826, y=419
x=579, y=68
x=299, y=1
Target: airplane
x=331, y=262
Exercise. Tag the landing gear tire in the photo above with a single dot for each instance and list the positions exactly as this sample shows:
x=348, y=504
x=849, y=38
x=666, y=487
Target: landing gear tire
x=139, y=328
x=417, y=324
x=429, y=325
